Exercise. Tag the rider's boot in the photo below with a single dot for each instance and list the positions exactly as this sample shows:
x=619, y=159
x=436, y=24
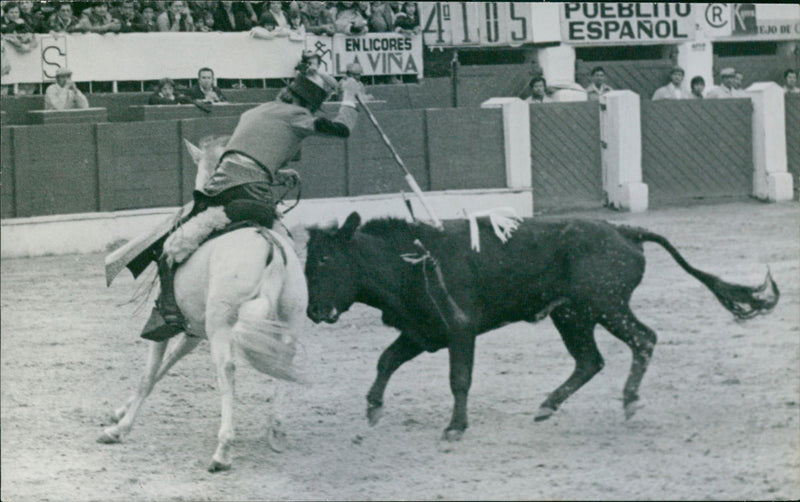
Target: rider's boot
x=166, y=319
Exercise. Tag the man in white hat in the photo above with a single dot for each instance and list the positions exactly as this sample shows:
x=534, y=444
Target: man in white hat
x=64, y=94
x=728, y=88
x=252, y=167
x=673, y=89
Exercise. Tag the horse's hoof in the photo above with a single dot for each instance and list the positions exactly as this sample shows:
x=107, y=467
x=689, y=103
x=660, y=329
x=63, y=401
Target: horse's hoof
x=544, y=413
x=107, y=438
x=452, y=435
x=374, y=414
x=631, y=409
x=218, y=466
x=276, y=439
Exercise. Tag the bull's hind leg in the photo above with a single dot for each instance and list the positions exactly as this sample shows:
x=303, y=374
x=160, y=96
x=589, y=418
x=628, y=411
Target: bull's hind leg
x=642, y=340
x=577, y=330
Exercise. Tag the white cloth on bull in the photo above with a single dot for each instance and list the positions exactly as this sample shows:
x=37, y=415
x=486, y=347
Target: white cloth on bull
x=504, y=221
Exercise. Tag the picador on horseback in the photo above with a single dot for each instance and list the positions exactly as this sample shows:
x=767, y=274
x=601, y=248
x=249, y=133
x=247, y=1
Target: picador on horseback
x=247, y=178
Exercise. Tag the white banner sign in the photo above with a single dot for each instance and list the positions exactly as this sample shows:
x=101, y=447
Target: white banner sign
x=455, y=24
x=377, y=53
x=612, y=23
x=747, y=21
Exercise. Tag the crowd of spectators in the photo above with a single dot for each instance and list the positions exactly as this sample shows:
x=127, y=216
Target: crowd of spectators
x=277, y=18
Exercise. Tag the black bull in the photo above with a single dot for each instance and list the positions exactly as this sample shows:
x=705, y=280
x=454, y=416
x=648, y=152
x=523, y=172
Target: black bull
x=443, y=294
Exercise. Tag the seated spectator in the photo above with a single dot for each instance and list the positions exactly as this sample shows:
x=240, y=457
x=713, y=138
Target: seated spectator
x=790, y=82
x=203, y=21
x=597, y=87
x=129, y=20
x=726, y=89
x=538, y=88
x=231, y=16
x=97, y=19
x=381, y=18
x=698, y=85
x=41, y=17
x=737, y=83
x=64, y=94
x=26, y=13
x=176, y=18
x=205, y=90
x=13, y=23
x=407, y=20
x=349, y=19
x=317, y=19
x=673, y=89
x=273, y=19
x=294, y=17
x=62, y=20
x=165, y=94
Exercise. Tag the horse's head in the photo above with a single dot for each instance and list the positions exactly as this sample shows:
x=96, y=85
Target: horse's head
x=331, y=270
x=206, y=157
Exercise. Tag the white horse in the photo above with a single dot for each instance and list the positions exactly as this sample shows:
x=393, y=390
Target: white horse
x=245, y=292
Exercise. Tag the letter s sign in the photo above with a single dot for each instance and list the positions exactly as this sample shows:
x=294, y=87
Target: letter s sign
x=54, y=56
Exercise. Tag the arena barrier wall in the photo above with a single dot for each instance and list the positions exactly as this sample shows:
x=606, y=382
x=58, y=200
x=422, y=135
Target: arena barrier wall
x=565, y=155
x=793, y=136
x=697, y=148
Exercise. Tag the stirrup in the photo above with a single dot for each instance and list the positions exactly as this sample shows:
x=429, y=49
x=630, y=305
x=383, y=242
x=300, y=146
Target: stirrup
x=158, y=330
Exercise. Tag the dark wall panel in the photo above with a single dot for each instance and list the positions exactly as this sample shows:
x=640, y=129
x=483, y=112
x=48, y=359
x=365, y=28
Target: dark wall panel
x=697, y=148
x=466, y=148
x=371, y=166
x=323, y=167
x=793, y=137
x=565, y=155
x=6, y=173
x=139, y=165
x=476, y=84
x=56, y=169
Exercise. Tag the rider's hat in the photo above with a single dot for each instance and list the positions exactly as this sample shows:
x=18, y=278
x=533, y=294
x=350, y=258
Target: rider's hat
x=311, y=88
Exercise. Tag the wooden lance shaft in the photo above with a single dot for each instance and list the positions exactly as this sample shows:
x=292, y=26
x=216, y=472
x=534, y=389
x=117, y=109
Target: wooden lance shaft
x=408, y=176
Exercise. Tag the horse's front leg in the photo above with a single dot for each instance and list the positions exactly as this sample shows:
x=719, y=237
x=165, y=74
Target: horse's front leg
x=221, y=352
x=462, y=355
x=127, y=413
x=400, y=351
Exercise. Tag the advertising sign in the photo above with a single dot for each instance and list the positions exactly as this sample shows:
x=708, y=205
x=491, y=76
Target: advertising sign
x=590, y=23
x=490, y=24
x=377, y=53
x=749, y=21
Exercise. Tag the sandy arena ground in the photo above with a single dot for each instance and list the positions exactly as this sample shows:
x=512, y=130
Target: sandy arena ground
x=720, y=419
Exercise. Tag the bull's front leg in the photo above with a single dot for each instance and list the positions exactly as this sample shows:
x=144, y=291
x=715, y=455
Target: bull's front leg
x=462, y=355
x=401, y=350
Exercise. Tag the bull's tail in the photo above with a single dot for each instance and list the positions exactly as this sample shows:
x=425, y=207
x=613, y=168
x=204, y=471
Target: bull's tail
x=744, y=302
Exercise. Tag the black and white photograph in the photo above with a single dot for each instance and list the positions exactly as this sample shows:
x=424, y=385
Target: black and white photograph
x=247, y=249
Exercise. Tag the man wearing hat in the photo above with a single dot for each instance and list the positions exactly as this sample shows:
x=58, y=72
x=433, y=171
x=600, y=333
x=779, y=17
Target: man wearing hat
x=64, y=94
x=252, y=166
x=727, y=89
x=673, y=89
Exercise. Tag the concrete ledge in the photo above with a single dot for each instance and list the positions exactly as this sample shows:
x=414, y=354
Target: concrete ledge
x=94, y=232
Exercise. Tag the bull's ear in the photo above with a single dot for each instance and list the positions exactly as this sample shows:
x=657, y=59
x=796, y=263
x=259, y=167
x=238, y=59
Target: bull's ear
x=350, y=226
x=194, y=152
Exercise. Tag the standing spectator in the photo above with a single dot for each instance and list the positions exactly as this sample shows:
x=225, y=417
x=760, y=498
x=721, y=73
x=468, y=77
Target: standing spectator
x=737, y=83
x=673, y=89
x=349, y=19
x=597, y=87
x=41, y=17
x=231, y=16
x=538, y=87
x=698, y=85
x=790, y=82
x=128, y=19
x=26, y=13
x=63, y=94
x=273, y=19
x=726, y=89
x=148, y=19
x=407, y=20
x=294, y=17
x=381, y=19
x=165, y=94
x=206, y=90
x=97, y=19
x=62, y=21
x=13, y=23
x=203, y=20
x=317, y=19
x=176, y=18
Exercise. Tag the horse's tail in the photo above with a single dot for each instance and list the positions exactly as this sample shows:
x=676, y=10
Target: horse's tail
x=266, y=342
x=743, y=302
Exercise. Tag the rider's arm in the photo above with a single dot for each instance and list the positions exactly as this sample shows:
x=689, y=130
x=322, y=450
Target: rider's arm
x=344, y=122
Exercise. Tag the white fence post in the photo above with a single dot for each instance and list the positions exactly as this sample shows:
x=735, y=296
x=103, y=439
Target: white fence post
x=771, y=179
x=517, y=135
x=621, y=135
